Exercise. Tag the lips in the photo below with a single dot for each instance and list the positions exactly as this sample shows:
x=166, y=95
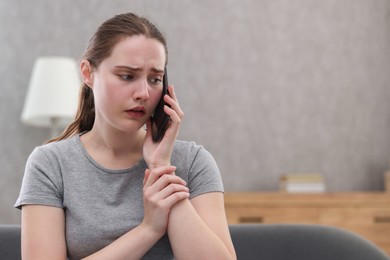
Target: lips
x=136, y=112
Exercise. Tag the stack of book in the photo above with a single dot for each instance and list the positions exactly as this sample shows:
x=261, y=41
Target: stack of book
x=302, y=183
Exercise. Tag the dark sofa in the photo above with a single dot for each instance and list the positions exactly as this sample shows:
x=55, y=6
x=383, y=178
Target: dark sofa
x=263, y=242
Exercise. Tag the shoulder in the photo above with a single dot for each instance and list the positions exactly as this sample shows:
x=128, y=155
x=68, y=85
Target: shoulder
x=53, y=151
x=43, y=175
x=188, y=151
x=48, y=160
x=197, y=167
x=60, y=146
x=191, y=155
x=187, y=147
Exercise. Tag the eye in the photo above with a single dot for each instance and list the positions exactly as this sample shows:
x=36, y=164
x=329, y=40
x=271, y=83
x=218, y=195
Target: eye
x=126, y=77
x=156, y=81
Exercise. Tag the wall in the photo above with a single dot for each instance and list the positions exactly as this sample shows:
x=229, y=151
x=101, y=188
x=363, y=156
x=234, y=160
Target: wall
x=268, y=86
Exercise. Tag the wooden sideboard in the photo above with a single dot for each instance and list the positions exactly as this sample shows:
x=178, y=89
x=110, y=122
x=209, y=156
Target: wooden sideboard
x=367, y=214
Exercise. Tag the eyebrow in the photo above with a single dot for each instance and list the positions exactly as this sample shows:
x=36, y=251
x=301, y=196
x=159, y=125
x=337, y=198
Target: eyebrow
x=137, y=69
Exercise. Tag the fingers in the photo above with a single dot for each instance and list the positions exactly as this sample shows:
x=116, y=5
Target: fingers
x=171, y=92
x=171, y=199
x=171, y=189
x=168, y=184
x=156, y=173
x=146, y=176
x=174, y=111
x=168, y=195
x=163, y=188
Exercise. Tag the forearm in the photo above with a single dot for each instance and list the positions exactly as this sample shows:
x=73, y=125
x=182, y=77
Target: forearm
x=190, y=236
x=132, y=245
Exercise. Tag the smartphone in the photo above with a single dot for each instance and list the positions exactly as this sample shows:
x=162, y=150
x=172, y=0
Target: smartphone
x=160, y=119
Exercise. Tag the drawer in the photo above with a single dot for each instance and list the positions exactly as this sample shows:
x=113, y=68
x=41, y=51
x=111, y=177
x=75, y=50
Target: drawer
x=271, y=215
x=362, y=217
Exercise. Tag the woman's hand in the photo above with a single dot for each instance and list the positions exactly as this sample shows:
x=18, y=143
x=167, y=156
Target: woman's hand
x=162, y=189
x=159, y=154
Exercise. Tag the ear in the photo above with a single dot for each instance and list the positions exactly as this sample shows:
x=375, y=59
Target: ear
x=87, y=73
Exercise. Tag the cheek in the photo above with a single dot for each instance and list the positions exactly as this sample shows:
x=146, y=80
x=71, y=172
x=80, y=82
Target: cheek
x=104, y=93
x=155, y=97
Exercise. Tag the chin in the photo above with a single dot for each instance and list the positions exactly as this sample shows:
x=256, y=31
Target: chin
x=131, y=128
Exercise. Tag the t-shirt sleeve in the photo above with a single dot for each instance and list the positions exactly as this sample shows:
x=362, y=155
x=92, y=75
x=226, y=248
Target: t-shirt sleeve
x=42, y=182
x=204, y=175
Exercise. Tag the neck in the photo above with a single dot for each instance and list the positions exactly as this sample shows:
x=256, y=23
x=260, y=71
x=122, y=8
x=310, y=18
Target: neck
x=115, y=142
x=114, y=150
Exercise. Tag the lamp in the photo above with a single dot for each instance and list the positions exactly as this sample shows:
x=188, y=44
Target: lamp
x=51, y=99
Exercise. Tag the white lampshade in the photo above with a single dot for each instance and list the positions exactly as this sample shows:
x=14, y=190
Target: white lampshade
x=53, y=92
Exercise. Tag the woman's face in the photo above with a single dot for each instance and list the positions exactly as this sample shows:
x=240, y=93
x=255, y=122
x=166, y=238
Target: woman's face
x=128, y=84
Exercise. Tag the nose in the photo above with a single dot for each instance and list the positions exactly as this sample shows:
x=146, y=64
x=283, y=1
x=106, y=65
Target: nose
x=142, y=91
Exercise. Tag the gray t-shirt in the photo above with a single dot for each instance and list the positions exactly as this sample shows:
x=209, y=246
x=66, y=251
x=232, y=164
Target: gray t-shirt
x=100, y=204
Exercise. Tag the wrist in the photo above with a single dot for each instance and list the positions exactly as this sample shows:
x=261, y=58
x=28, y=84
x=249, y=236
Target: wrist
x=149, y=232
x=154, y=165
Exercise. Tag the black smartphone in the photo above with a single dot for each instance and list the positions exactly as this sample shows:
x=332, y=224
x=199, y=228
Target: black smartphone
x=160, y=119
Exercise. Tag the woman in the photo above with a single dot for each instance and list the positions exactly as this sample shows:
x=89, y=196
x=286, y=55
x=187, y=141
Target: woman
x=105, y=189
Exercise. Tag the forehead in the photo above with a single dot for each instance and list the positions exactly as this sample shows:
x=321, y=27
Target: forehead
x=139, y=51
